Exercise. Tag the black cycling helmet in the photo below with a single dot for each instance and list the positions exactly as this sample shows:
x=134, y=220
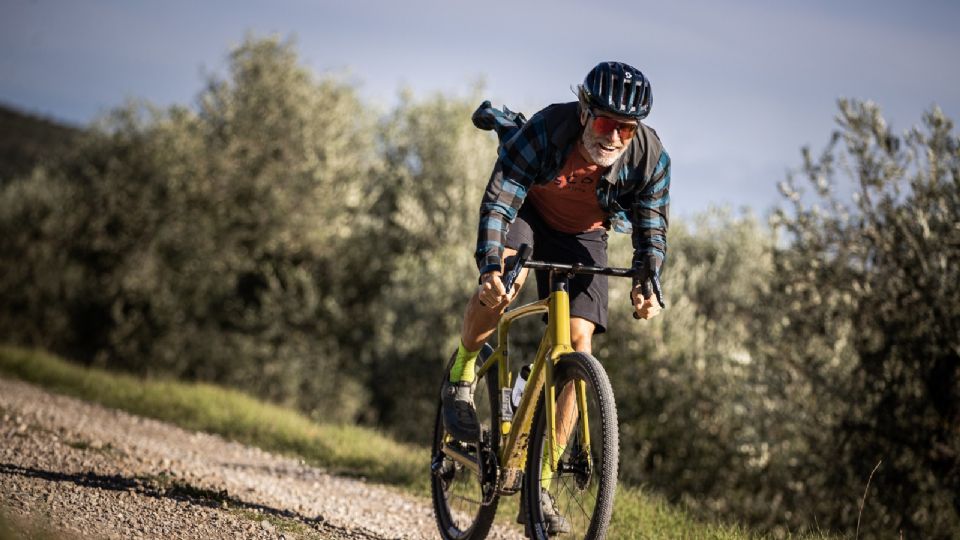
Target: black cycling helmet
x=617, y=88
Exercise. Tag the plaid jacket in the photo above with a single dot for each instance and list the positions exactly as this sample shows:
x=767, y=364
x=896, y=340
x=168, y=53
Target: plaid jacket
x=634, y=191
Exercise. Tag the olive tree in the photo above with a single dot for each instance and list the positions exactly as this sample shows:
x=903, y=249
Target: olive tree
x=213, y=243
x=865, y=317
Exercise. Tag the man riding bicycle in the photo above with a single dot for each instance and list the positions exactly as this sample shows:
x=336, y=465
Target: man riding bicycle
x=560, y=182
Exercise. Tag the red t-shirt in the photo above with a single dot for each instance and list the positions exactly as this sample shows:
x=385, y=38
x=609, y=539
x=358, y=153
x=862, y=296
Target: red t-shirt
x=569, y=203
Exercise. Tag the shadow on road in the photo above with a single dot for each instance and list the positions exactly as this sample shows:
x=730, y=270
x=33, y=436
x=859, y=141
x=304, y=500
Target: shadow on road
x=165, y=487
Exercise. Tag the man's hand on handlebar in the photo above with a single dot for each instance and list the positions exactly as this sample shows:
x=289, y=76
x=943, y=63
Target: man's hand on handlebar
x=646, y=296
x=492, y=293
x=646, y=307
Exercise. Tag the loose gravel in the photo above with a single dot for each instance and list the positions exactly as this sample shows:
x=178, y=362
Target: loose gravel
x=92, y=472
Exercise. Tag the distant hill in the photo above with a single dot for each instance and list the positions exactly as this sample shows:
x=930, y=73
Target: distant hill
x=27, y=140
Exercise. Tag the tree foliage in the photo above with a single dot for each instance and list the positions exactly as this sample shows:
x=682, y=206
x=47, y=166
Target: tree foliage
x=865, y=316
x=206, y=244
x=435, y=169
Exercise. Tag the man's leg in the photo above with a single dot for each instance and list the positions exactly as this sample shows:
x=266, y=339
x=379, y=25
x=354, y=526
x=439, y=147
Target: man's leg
x=479, y=322
x=581, y=334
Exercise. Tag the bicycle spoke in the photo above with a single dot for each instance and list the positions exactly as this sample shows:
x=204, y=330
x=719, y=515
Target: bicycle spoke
x=566, y=500
x=589, y=491
x=466, y=499
x=573, y=497
x=462, y=508
x=458, y=491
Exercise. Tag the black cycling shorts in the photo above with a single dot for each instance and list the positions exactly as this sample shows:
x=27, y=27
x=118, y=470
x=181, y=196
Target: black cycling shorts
x=588, y=294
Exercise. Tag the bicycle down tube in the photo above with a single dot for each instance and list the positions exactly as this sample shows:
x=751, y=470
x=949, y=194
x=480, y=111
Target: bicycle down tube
x=555, y=343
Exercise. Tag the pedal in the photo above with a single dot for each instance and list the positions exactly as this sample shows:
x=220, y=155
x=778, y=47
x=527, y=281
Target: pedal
x=511, y=481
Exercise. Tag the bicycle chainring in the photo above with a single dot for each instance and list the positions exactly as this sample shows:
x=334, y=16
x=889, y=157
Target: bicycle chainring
x=488, y=473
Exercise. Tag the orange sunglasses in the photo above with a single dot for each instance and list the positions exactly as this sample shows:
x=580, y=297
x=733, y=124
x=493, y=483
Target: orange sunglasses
x=604, y=125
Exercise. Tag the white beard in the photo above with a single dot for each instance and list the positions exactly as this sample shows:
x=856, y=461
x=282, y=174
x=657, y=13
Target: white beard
x=601, y=157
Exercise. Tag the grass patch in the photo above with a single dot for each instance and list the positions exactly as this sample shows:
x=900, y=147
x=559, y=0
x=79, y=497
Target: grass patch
x=639, y=515
x=282, y=525
x=88, y=446
x=346, y=450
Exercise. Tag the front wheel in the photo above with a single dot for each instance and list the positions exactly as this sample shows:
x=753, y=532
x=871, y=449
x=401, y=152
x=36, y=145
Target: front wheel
x=458, y=493
x=581, y=490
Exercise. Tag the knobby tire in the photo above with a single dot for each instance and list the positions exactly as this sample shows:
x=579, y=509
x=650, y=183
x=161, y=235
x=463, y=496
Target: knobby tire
x=589, y=517
x=471, y=521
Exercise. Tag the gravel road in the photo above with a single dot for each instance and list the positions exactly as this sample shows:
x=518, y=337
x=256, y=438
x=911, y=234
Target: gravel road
x=92, y=472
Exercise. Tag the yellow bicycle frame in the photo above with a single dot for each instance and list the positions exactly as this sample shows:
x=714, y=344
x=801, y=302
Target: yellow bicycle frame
x=555, y=343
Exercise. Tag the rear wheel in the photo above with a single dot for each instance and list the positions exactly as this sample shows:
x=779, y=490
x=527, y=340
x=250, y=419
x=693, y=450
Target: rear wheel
x=583, y=486
x=458, y=492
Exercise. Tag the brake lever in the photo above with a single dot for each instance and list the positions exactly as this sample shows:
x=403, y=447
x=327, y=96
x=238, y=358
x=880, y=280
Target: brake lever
x=658, y=291
x=523, y=255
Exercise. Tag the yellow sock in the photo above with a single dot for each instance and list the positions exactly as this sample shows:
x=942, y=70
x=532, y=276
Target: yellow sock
x=546, y=475
x=464, y=366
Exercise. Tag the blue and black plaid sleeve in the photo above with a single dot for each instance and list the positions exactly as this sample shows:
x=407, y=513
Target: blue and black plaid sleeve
x=518, y=164
x=649, y=217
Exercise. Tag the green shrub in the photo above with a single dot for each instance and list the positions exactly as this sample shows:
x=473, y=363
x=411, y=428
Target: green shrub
x=864, y=317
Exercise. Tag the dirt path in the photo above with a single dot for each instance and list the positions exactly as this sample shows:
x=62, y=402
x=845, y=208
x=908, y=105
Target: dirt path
x=99, y=473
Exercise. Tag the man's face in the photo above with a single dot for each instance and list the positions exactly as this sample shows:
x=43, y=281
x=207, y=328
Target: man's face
x=606, y=137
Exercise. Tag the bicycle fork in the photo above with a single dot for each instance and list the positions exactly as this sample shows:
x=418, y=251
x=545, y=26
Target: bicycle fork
x=555, y=344
x=558, y=329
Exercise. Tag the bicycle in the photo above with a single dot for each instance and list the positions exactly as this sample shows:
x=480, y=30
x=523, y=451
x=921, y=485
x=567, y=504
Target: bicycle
x=468, y=479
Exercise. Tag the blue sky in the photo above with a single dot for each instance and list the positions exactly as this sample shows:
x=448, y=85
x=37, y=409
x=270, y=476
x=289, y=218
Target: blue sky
x=738, y=87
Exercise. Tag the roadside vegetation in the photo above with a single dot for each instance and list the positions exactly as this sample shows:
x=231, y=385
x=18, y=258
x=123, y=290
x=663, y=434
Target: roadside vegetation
x=284, y=238
x=346, y=450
